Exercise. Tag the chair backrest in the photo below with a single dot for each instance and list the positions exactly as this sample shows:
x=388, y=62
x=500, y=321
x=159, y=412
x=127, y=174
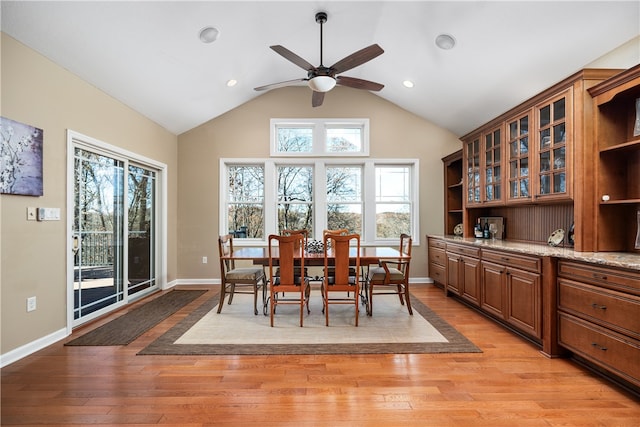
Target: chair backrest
x=341, y=245
x=339, y=231
x=225, y=248
x=290, y=255
x=303, y=231
x=406, y=243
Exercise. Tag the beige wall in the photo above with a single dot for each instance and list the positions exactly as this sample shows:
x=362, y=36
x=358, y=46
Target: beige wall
x=244, y=132
x=33, y=254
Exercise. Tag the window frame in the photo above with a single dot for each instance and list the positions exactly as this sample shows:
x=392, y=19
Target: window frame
x=368, y=236
x=319, y=127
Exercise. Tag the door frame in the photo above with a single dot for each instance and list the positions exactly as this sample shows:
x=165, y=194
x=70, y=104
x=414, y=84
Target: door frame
x=92, y=144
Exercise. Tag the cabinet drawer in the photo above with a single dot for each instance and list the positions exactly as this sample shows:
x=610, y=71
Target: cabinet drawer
x=438, y=273
x=611, y=309
x=611, y=351
x=437, y=243
x=512, y=260
x=619, y=279
x=437, y=256
x=471, y=251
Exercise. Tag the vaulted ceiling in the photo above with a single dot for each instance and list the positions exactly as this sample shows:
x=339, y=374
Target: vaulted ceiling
x=149, y=56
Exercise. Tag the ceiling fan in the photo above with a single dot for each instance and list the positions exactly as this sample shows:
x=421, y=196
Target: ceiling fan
x=322, y=79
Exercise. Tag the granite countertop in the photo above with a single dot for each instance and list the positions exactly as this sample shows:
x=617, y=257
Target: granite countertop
x=614, y=259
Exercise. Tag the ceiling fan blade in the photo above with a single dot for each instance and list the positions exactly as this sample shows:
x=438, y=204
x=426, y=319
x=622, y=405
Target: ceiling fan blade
x=357, y=58
x=287, y=54
x=359, y=83
x=317, y=99
x=280, y=84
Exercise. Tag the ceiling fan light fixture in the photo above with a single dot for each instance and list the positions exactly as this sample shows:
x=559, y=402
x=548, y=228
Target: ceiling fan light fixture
x=322, y=83
x=209, y=34
x=445, y=41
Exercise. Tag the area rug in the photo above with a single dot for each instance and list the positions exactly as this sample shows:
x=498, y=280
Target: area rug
x=126, y=328
x=237, y=331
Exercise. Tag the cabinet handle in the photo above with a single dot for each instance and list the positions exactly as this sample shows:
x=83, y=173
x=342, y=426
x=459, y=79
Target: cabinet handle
x=598, y=346
x=599, y=276
x=504, y=258
x=601, y=307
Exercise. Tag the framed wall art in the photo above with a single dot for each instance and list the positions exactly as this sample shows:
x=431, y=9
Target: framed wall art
x=20, y=158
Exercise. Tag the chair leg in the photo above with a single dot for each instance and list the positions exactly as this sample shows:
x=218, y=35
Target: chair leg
x=406, y=296
x=400, y=292
x=223, y=289
x=232, y=290
x=255, y=299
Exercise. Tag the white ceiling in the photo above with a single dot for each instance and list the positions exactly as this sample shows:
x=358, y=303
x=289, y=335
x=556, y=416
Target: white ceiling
x=148, y=54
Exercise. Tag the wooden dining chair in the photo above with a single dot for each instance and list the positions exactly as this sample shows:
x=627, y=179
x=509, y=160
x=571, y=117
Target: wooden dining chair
x=328, y=271
x=342, y=287
x=245, y=280
x=290, y=257
x=391, y=277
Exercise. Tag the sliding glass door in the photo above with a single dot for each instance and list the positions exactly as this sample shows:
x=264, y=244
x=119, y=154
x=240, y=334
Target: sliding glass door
x=141, y=225
x=114, y=231
x=98, y=233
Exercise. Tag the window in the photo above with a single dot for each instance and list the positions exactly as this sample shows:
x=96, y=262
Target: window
x=319, y=138
x=295, y=197
x=265, y=196
x=245, y=201
x=393, y=201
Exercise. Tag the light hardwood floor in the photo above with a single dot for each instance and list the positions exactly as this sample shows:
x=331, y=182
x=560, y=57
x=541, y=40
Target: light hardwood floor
x=509, y=384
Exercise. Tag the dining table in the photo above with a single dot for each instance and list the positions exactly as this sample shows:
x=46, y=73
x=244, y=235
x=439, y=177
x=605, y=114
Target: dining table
x=368, y=255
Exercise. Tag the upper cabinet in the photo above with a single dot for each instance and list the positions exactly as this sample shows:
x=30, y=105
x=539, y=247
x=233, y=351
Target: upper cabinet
x=617, y=129
x=539, y=152
x=554, y=147
x=452, y=191
x=518, y=157
x=483, y=168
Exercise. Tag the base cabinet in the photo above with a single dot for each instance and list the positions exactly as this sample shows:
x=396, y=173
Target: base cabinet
x=437, y=260
x=507, y=286
x=513, y=294
x=463, y=272
x=599, y=317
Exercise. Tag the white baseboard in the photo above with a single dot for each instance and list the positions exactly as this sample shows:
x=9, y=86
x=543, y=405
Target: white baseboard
x=197, y=282
x=30, y=348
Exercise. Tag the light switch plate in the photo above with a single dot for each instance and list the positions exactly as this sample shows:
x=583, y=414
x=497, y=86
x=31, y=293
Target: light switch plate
x=31, y=214
x=48, y=214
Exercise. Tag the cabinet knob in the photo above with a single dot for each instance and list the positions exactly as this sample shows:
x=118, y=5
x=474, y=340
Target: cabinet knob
x=598, y=346
x=601, y=307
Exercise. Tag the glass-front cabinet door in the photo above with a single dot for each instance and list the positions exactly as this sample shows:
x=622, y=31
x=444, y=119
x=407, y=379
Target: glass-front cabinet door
x=492, y=165
x=553, y=147
x=518, y=141
x=472, y=171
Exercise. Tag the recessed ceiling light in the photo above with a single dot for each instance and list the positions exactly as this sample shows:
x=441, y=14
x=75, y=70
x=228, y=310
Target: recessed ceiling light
x=445, y=41
x=232, y=83
x=209, y=34
x=407, y=83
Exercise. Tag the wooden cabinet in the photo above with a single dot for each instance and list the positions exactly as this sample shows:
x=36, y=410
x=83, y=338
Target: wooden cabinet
x=617, y=128
x=437, y=260
x=452, y=191
x=484, y=172
x=518, y=157
x=539, y=153
x=511, y=290
x=554, y=147
x=463, y=272
x=599, y=317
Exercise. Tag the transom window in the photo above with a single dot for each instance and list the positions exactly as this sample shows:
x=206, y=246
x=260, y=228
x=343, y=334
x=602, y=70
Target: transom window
x=375, y=198
x=319, y=137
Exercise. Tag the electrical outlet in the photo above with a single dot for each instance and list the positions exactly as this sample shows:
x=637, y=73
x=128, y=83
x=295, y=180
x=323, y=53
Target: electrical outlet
x=204, y=260
x=31, y=303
